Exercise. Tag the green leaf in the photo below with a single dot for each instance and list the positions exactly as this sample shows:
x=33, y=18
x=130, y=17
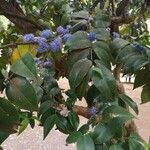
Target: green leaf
x=78, y=72
x=145, y=95
x=126, y=51
x=116, y=112
x=104, y=81
x=135, y=142
x=85, y=143
x=61, y=123
x=3, y=137
x=73, y=137
x=32, y=123
x=102, y=45
x=23, y=125
x=101, y=134
x=101, y=20
x=9, y=109
x=2, y=86
x=9, y=116
x=49, y=124
x=84, y=129
x=116, y=147
x=134, y=63
x=74, y=57
x=129, y=102
x=81, y=14
x=103, y=56
x=44, y=106
x=102, y=34
x=25, y=67
x=92, y=94
x=78, y=40
x=83, y=87
x=74, y=119
x=141, y=78
x=119, y=43
x=21, y=93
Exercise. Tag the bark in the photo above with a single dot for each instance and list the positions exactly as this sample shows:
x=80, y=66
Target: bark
x=15, y=14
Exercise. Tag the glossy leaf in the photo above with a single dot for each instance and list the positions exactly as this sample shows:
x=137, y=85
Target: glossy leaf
x=104, y=81
x=78, y=40
x=9, y=109
x=78, y=72
x=135, y=142
x=49, y=124
x=103, y=56
x=116, y=112
x=141, y=78
x=25, y=67
x=85, y=143
x=74, y=119
x=116, y=147
x=3, y=137
x=73, y=137
x=84, y=129
x=129, y=102
x=23, y=126
x=145, y=95
x=9, y=117
x=21, y=93
x=119, y=43
x=21, y=50
x=101, y=134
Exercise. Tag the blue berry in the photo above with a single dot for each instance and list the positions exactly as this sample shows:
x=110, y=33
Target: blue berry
x=47, y=63
x=61, y=30
x=37, y=60
x=28, y=37
x=43, y=45
x=92, y=36
x=56, y=45
x=66, y=37
x=46, y=33
x=40, y=39
x=116, y=35
x=93, y=110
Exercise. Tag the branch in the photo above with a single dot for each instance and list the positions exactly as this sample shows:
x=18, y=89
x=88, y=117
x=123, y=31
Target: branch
x=17, y=17
x=22, y=18
x=82, y=111
x=12, y=45
x=121, y=20
x=117, y=71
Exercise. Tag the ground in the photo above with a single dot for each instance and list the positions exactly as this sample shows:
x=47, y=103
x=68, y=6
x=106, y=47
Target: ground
x=31, y=139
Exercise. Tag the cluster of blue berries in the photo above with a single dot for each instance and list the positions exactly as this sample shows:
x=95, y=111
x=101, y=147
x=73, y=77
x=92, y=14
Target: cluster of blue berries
x=93, y=110
x=116, y=35
x=92, y=36
x=46, y=40
x=47, y=63
x=50, y=41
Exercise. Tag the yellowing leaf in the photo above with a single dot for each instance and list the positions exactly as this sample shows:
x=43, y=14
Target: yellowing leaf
x=21, y=50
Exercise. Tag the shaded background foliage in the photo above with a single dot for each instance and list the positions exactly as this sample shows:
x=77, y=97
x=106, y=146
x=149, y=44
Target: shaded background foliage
x=104, y=34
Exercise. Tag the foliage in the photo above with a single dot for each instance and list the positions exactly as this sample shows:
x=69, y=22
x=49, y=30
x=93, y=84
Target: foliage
x=78, y=40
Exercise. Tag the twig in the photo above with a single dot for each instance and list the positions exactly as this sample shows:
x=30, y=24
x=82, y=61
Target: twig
x=12, y=45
